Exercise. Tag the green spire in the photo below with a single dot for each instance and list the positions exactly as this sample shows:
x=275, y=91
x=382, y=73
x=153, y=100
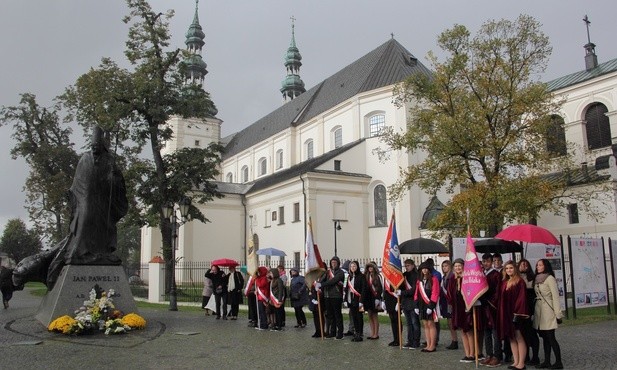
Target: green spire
x=195, y=66
x=292, y=85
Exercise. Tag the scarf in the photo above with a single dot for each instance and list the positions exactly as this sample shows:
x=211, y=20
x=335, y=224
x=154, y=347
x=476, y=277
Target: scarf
x=231, y=285
x=541, y=277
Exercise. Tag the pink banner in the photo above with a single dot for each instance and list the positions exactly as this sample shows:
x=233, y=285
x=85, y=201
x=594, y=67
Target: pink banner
x=474, y=282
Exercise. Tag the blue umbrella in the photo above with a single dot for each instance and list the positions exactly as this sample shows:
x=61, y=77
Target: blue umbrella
x=271, y=252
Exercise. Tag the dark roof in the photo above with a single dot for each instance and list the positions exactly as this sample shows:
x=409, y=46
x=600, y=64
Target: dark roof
x=582, y=76
x=577, y=176
x=304, y=167
x=232, y=188
x=386, y=65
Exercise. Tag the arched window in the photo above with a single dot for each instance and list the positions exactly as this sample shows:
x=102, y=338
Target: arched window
x=380, y=206
x=556, y=137
x=375, y=124
x=262, y=165
x=336, y=137
x=308, y=149
x=230, y=177
x=279, y=159
x=245, y=173
x=597, y=127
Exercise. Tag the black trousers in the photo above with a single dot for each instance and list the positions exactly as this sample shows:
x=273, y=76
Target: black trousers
x=357, y=319
x=252, y=303
x=221, y=298
x=300, y=316
x=334, y=307
x=393, y=315
x=234, y=300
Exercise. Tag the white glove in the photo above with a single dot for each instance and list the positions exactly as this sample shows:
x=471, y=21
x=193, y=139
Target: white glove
x=317, y=285
x=429, y=311
x=345, y=304
x=383, y=306
x=396, y=307
x=377, y=302
x=477, y=303
x=360, y=305
x=416, y=310
x=398, y=292
x=314, y=301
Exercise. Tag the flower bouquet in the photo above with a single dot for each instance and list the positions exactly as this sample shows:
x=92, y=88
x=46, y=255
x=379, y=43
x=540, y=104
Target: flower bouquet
x=97, y=313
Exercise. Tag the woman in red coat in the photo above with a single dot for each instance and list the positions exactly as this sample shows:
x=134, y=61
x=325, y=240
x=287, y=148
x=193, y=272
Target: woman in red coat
x=426, y=298
x=512, y=312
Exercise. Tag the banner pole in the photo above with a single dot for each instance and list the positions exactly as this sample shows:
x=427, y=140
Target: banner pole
x=321, y=329
x=475, y=337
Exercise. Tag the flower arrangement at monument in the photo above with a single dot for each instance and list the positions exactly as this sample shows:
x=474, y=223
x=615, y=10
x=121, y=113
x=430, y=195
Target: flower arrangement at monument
x=97, y=313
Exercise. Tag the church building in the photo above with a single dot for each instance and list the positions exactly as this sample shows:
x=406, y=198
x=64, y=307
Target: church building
x=313, y=158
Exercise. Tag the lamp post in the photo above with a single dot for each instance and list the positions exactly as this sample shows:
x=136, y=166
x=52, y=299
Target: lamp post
x=170, y=212
x=337, y=227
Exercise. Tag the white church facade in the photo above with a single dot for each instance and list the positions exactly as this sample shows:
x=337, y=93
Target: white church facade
x=314, y=157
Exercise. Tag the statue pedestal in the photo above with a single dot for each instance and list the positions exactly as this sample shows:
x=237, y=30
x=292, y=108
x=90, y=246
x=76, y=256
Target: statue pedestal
x=73, y=288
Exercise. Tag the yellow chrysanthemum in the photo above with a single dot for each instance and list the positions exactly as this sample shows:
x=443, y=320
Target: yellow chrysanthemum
x=63, y=324
x=134, y=321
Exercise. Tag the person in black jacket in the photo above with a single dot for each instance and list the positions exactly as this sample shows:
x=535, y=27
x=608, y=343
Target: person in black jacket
x=235, y=283
x=408, y=290
x=332, y=285
x=354, y=295
x=219, y=282
x=390, y=298
x=6, y=285
x=299, y=296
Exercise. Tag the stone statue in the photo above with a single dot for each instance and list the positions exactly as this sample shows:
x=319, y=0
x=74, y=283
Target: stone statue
x=98, y=201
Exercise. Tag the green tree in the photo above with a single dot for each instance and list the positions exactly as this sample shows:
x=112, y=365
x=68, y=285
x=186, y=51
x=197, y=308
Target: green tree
x=135, y=105
x=482, y=121
x=45, y=144
x=19, y=242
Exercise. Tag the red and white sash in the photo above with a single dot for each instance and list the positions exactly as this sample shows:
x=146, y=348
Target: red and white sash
x=352, y=289
x=275, y=302
x=435, y=314
x=261, y=294
x=247, y=289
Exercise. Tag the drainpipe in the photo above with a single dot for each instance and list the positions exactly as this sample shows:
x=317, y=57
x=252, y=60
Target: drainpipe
x=245, y=235
x=304, y=199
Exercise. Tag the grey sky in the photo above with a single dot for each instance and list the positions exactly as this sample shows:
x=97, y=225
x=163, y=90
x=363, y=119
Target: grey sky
x=47, y=44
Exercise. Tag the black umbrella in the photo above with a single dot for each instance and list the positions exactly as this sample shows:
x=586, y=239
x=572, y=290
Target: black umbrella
x=497, y=246
x=422, y=246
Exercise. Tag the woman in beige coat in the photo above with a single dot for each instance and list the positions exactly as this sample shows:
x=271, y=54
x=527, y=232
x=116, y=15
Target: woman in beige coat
x=547, y=312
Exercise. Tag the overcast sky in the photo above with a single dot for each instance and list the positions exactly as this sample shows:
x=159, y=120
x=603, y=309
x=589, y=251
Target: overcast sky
x=46, y=45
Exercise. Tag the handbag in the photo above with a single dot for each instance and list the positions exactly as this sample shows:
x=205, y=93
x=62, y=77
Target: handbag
x=218, y=290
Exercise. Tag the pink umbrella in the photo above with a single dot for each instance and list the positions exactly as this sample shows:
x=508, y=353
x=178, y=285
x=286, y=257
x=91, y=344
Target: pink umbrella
x=528, y=233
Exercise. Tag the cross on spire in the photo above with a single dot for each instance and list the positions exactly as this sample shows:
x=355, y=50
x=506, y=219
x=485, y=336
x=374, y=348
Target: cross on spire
x=587, y=23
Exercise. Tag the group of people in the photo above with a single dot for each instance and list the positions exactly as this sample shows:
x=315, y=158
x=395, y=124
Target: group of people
x=226, y=288
x=520, y=306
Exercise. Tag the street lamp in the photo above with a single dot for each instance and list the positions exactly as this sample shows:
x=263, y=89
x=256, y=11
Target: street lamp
x=169, y=212
x=337, y=227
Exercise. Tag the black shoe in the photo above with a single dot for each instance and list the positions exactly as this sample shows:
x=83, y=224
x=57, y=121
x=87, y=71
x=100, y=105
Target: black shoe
x=224, y=317
x=556, y=365
x=218, y=317
x=316, y=335
x=393, y=344
x=533, y=361
x=357, y=339
x=467, y=359
x=453, y=345
x=428, y=350
x=297, y=326
x=349, y=334
x=544, y=365
x=339, y=337
x=407, y=346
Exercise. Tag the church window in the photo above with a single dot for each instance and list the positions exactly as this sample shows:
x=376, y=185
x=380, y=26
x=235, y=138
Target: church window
x=296, y=212
x=245, y=173
x=380, y=205
x=376, y=123
x=337, y=137
x=308, y=148
x=573, y=213
x=230, y=177
x=279, y=159
x=597, y=127
x=262, y=164
x=556, y=137
x=196, y=143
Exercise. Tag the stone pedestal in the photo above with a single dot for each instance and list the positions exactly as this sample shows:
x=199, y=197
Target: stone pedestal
x=73, y=288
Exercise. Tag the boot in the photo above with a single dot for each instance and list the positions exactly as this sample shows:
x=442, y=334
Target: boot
x=557, y=365
x=453, y=345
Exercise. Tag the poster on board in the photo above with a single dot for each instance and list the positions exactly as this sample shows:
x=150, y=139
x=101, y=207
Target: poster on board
x=588, y=272
x=538, y=251
x=614, y=261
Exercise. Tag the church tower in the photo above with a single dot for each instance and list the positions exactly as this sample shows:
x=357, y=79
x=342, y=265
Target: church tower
x=194, y=132
x=292, y=85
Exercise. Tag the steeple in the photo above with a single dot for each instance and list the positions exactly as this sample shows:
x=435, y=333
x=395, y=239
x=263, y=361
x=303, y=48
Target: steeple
x=195, y=66
x=591, y=59
x=292, y=85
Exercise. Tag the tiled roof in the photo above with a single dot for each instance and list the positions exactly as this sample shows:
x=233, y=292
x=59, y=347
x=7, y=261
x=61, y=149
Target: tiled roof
x=386, y=65
x=303, y=167
x=582, y=76
x=578, y=176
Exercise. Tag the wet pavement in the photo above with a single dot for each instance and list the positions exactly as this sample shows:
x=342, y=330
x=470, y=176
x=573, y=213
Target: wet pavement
x=190, y=340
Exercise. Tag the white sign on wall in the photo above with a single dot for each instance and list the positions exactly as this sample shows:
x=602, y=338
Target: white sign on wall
x=588, y=272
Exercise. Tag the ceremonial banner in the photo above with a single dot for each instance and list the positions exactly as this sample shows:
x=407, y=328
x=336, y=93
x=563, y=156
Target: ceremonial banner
x=391, y=266
x=474, y=282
